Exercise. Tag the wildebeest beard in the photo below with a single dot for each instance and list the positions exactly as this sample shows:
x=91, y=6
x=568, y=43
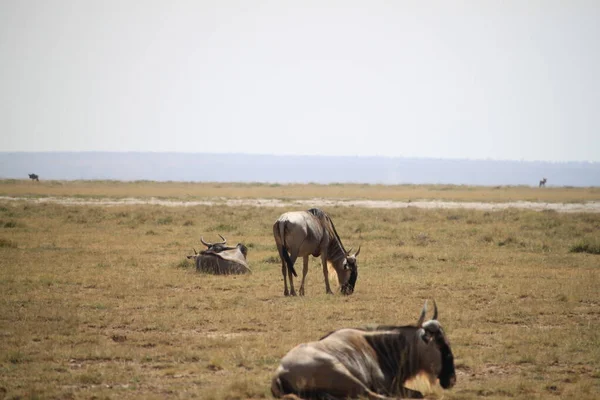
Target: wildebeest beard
x=348, y=288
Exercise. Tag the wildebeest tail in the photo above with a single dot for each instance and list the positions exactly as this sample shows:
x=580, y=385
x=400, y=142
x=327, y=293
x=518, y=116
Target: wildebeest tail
x=284, y=250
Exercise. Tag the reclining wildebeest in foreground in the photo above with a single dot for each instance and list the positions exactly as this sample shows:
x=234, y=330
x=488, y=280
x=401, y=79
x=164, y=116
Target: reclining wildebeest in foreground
x=219, y=259
x=303, y=233
x=374, y=363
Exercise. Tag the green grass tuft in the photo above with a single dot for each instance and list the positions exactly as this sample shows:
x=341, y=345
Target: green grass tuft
x=586, y=247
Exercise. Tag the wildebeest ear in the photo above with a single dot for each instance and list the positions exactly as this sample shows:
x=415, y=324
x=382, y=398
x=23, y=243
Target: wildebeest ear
x=190, y=257
x=424, y=335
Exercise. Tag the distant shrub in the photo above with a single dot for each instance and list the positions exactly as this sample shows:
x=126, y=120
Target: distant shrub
x=164, y=221
x=188, y=223
x=585, y=247
x=185, y=263
x=272, y=260
x=222, y=228
x=10, y=224
x=150, y=232
x=7, y=243
x=488, y=238
x=506, y=241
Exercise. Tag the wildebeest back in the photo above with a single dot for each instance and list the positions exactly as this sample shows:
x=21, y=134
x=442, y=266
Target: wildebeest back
x=221, y=264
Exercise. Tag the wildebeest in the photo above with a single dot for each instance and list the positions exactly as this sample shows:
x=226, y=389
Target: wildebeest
x=219, y=259
x=34, y=177
x=543, y=182
x=303, y=233
x=374, y=363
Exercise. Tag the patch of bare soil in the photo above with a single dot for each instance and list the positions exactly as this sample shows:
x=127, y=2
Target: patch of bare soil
x=593, y=207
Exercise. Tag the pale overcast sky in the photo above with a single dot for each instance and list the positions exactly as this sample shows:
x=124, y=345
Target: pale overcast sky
x=511, y=80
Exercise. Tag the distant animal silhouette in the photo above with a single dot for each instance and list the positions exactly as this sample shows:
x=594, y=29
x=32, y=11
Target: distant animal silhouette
x=543, y=183
x=34, y=177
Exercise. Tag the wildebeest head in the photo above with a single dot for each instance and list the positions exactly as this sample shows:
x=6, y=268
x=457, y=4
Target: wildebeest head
x=350, y=274
x=215, y=247
x=439, y=357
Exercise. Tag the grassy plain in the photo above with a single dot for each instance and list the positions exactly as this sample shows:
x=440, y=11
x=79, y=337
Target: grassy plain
x=100, y=302
x=199, y=191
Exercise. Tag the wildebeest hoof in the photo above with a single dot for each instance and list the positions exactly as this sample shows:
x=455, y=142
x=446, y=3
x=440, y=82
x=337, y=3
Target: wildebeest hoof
x=286, y=293
x=293, y=293
x=328, y=292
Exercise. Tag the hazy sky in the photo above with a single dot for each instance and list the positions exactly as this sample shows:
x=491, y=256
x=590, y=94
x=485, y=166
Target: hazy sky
x=448, y=79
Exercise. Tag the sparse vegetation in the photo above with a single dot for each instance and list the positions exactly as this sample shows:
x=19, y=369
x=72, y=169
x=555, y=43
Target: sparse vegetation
x=201, y=191
x=7, y=243
x=110, y=308
x=586, y=247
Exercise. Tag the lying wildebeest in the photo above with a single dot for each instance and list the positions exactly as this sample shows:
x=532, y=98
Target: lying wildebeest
x=34, y=177
x=303, y=233
x=374, y=363
x=219, y=259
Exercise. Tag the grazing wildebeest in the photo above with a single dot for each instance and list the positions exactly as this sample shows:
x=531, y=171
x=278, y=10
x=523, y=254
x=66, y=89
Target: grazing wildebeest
x=219, y=259
x=303, y=233
x=34, y=177
x=543, y=183
x=374, y=363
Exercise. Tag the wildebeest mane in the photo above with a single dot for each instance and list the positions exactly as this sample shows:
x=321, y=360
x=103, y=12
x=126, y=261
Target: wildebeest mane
x=396, y=352
x=335, y=249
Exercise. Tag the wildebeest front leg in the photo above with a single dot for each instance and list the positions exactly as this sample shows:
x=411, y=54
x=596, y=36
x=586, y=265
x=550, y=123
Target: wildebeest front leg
x=407, y=393
x=304, y=272
x=326, y=274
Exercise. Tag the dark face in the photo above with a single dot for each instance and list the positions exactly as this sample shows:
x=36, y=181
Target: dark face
x=351, y=266
x=446, y=375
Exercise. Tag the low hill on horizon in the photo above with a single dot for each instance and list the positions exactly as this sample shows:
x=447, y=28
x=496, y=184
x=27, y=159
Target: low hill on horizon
x=210, y=167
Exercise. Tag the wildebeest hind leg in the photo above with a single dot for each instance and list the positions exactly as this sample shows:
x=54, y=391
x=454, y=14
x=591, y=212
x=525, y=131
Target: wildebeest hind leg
x=284, y=273
x=304, y=272
x=293, y=257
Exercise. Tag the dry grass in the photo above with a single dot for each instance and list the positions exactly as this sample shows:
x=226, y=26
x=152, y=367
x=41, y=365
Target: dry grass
x=99, y=302
x=195, y=191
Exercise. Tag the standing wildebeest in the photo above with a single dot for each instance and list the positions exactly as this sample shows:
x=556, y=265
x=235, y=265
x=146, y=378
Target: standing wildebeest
x=374, y=363
x=543, y=183
x=219, y=259
x=303, y=233
x=34, y=177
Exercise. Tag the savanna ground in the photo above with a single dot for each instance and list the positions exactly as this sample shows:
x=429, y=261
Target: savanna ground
x=100, y=302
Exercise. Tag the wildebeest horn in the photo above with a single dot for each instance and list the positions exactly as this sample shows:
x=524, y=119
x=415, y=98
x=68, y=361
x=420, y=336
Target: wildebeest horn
x=349, y=251
x=195, y=252
x=224, y=240
x=434, y=311
x=357, y=251
x=205, y=243
x=422, y=317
